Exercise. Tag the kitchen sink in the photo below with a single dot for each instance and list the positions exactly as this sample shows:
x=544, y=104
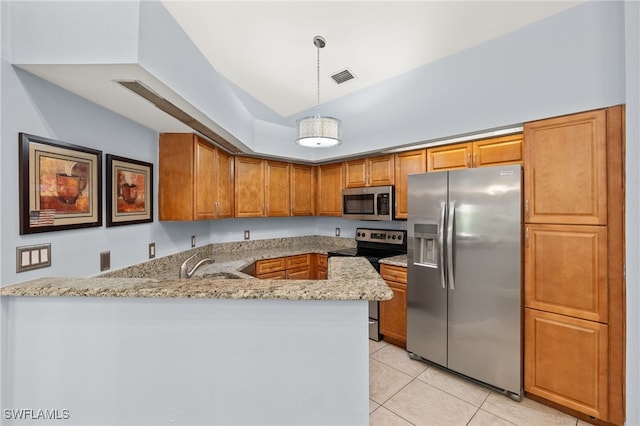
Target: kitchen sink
x=218, y=276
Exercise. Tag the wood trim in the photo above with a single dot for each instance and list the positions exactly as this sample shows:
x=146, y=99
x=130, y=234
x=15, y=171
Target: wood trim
x=616, y=266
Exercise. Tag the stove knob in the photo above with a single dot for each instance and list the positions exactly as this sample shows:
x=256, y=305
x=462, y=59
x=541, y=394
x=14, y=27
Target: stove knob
x=394, y=237
x=400, y=237
x=358, y=234
x=364, y=235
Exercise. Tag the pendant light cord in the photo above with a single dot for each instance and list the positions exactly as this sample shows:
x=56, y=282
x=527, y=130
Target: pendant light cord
x=318, y=65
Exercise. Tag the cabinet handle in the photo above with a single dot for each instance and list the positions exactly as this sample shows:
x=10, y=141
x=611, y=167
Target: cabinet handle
x=475, y=158
x=217, y=209
x=469, y=159
x=526, y=209
x=526, y=237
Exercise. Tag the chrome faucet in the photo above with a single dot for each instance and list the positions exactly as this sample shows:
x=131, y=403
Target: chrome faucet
x=184, y=270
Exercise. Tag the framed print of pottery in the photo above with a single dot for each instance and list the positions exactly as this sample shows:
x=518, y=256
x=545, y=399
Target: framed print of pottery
x=60, y=185
x=129, y=191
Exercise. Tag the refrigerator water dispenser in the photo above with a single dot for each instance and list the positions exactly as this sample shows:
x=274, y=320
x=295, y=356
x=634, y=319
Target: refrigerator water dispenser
x=425, y=245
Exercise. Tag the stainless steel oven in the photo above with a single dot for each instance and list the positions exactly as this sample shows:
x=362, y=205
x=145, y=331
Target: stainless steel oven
x=370, y=203
x=376, y=244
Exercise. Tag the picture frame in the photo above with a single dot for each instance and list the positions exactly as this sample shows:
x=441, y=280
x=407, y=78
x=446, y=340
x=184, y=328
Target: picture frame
x=129, y=191
x=60, y=185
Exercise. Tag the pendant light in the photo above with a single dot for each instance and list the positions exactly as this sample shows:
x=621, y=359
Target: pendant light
x=317, y=131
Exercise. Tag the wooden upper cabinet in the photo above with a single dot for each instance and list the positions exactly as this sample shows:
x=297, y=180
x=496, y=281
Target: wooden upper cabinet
x=374, y=171
x=449, y=157
x=567, y=361
x=249, y=187
x=224, y=187
x=407, y=163
x=302, y=190
x=277, y=189
x=329, y=189
x=565, y=178
x=480, y=153
x=566, y=270
x=195, y=180
x=261, y=187
x=498, y=151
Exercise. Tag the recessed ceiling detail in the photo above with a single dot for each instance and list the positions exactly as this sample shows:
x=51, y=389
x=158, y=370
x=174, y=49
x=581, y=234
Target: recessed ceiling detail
x=343, y=76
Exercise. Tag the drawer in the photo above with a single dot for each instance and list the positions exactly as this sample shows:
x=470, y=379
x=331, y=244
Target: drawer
x=270, y=265
x=393, y=273
x=298, y=261
x=277, y=275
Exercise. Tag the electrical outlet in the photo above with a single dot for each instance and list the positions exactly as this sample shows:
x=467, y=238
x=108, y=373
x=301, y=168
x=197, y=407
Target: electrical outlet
x=247, y=235
x=337, y=232
x=193, y=241
x=152, y=250
x=105, y=261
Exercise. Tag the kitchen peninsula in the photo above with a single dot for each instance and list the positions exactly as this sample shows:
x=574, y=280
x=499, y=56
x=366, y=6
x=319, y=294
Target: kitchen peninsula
x=132, y=347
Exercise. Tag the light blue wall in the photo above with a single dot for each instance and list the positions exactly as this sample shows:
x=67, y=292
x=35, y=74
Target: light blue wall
x=632, y=43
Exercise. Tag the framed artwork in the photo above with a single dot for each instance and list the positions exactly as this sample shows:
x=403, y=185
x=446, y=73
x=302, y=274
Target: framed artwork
x=60, y=185
x=129, y=191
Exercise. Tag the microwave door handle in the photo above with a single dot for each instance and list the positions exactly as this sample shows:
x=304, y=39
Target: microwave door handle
x=376, y=208
x=443, y=213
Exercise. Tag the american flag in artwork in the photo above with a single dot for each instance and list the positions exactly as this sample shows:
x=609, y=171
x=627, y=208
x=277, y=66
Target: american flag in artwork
x=42, y=217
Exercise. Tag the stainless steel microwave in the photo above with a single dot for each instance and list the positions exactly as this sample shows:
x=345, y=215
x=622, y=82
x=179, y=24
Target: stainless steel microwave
x=369, y=203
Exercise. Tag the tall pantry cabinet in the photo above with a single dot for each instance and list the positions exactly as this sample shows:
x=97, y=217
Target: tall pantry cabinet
x=574, y=262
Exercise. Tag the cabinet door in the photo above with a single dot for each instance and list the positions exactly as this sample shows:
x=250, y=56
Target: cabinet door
x=407, y=163
x=496, y=151
x=566, y=270
x=449, y=157
x=205, y=180
x=277, y=189
x=355, y=172
x=565, y=177
x=329, y=194
x=393, y=314
x=381, y=170
x=322, y=263
x=224, y=181
x=249, y=187
x=566, y=361
x=293, y=262
x=301, y=273
x=176, y=178
x=302, y=190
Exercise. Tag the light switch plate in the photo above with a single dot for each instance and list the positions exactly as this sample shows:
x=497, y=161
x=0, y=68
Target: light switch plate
x=105, y=261
x=247, y=235
x=33, y=257
x=337, y=232
x=193, y=241
x=152, y=250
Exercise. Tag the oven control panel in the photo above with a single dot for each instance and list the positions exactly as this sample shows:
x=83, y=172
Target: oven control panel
x=387, y=236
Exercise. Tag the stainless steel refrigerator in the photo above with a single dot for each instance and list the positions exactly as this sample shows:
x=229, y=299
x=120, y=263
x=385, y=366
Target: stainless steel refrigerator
x=464, y=293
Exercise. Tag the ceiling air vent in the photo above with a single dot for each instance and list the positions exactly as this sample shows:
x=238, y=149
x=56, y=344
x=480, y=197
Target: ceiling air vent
x=342, y=76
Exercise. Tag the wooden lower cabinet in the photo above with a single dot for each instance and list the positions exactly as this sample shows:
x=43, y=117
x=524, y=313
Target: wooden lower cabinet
x=299, y=267
x=566, y=361
x=393, y=313
x=322, y=266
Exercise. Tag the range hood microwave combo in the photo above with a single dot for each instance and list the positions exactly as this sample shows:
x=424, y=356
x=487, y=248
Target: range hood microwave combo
x=368, y=203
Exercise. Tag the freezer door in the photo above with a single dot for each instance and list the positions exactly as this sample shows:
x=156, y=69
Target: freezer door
x=484, y=335
x=426, y=289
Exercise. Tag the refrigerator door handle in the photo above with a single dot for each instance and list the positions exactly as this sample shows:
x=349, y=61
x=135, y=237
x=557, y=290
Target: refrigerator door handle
x=450, y=223
x=443, y=214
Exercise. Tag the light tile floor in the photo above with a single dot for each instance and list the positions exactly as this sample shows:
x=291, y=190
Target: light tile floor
x=403, y=391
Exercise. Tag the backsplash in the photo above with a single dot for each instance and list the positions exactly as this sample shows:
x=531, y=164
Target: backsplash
x=168, y=265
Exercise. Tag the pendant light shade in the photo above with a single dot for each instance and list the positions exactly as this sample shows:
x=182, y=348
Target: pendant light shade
x=318, y=131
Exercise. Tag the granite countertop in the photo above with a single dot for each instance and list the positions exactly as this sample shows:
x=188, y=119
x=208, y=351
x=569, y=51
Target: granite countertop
x=349, y=278
x=400, y=260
